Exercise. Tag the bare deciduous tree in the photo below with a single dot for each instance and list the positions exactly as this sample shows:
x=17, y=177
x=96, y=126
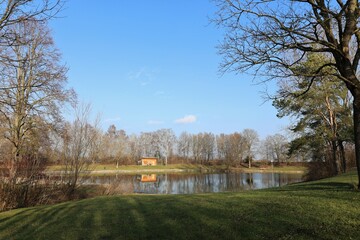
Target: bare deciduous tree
x=196, y=147
x=148, y=144
x=221, y=146
x=230, y=148
x=134, y=151
x=13, y=12
x=78, y=137
x=276, y=148
x=208, y=147
x=184, y=146
x=34, y=84
x=115, y=144
x=165, y=141
x=251, y=138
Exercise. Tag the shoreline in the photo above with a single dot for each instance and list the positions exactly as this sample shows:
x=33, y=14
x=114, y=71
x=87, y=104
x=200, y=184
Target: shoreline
x=180, y=170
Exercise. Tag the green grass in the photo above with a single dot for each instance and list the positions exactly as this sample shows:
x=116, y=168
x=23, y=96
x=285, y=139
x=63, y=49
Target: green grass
x=139, y=167
x=135, y=167
x=326, y=209
x=278, y=169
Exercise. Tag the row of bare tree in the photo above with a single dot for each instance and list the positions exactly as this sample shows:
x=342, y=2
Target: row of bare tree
x=116, y=147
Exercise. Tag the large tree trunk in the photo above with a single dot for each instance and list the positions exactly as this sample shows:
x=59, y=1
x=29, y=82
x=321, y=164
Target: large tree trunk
x=356, y=105
x=342, y=156
x=334, y=170
x=13, y=166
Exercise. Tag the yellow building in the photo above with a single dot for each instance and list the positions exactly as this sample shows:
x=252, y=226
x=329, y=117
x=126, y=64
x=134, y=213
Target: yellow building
x=149, y=161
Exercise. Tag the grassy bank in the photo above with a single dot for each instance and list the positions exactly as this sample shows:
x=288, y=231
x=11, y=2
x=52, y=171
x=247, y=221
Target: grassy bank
x=327, y=209
x=111, y=168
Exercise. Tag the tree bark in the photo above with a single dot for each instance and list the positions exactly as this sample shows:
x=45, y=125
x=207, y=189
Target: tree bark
x=334, y=158
x=356, y=106
x=342, y=156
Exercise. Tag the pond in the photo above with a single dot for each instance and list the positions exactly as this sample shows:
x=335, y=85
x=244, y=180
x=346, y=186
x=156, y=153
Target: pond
x=191, y=183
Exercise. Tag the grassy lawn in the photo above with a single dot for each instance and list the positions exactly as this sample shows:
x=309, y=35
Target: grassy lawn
x=139, y=167
x=326, y=209
x=100, y=167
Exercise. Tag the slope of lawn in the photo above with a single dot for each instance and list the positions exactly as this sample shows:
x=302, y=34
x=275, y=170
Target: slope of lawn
x=327, y=209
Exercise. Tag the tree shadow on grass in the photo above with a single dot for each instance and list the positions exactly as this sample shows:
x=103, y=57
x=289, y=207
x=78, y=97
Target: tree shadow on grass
x=333, y=186
x=205, y=216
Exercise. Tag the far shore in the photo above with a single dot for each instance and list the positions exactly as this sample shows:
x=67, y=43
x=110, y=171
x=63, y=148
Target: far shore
x=97, y=169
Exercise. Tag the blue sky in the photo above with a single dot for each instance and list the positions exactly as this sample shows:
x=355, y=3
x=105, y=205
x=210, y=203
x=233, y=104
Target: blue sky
x=146, y=65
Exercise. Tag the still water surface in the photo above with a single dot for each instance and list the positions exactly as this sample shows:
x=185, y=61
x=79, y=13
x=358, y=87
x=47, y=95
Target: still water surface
x=192, y=183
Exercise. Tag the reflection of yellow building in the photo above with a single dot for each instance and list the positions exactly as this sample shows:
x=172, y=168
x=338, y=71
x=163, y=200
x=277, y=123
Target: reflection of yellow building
x=149, y=161
x=148, y=178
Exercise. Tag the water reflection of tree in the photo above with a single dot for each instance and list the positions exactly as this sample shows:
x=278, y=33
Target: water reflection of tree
x=111, y=184
x=191, y=183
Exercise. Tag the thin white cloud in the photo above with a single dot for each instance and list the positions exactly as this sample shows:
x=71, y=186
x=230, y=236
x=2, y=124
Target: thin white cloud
x=143, y=76
x=137, y=74
x=159, y=93
x=186, y=119
x=116, y=119
x=155, y=122
x=144, y=83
